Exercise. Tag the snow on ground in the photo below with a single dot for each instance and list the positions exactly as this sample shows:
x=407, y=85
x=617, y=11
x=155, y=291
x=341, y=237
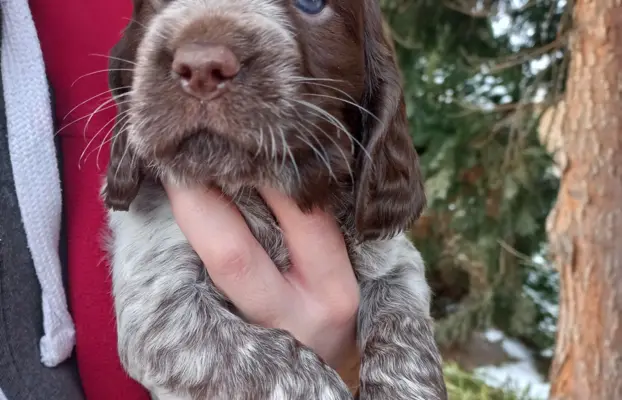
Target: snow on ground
x=520, y=374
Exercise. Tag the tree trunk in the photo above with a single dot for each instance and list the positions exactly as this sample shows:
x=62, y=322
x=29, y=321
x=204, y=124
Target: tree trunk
x=585, y=226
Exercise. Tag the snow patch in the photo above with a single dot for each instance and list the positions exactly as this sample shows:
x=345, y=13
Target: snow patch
x=494, y=335
x=520, y=375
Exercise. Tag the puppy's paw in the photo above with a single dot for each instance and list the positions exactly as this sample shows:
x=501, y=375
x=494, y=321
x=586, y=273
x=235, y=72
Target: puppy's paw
x=270, y=364
x=238, y=361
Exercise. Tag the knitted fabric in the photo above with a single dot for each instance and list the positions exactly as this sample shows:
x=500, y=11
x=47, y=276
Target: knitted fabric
x=35, y=170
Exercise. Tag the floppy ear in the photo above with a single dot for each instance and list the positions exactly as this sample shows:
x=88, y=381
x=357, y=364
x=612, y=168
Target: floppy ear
x=124, y=174
x=389, y=190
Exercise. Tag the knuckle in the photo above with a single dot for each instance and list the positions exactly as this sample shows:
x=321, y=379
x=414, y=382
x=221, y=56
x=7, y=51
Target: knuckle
x=232, y=260
x=347, y=310
x=342, y=310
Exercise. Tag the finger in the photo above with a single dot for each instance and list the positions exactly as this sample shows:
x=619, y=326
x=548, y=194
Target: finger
x=315, y=241
x=235, y=261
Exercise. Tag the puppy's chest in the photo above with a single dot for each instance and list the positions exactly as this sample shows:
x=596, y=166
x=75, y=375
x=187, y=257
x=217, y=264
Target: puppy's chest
x=266, y=230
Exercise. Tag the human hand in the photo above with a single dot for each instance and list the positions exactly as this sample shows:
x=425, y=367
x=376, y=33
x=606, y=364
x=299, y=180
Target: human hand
x=316, y=300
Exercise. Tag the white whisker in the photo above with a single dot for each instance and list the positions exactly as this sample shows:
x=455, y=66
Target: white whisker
x=125, y=152
x=94, y=97
x=322, y=158
x=291, y=156
x=159, y=34
x=285, y=146
x=330, y=87
x=99, y=72
x=88, y=121
x=363, y=109
x=311, y=79
x=82, y=158
x=259, y=144
x=273, y=144
x=325, y=115
x=113, y=58
x=123, y=118
x=99, y=109
x=343, y=154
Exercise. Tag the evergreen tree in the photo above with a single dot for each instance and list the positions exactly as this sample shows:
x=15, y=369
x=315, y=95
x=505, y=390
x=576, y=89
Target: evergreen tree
x=478, y=75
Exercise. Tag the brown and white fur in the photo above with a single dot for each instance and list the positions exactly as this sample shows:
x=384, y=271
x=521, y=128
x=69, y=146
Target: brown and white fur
x=316, y=111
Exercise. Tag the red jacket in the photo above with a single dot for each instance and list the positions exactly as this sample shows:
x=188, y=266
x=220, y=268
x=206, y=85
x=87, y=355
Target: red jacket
x=76, y=36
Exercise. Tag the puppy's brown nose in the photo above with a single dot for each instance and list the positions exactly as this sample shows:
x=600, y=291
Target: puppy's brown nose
x=205, y=69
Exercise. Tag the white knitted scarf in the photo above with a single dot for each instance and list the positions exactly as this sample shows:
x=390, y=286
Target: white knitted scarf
x=35, y=170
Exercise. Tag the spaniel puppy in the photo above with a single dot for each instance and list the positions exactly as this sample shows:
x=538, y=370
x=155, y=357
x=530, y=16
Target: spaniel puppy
x=300, y=95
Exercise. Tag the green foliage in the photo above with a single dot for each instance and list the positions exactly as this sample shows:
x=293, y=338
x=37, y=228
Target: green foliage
x=464, y=386
x=474, y=99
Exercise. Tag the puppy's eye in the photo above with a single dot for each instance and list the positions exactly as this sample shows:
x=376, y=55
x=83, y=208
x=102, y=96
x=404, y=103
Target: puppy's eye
x=310, y=6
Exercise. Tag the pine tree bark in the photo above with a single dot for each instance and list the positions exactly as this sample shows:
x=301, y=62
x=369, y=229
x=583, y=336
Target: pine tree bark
x=585, y=226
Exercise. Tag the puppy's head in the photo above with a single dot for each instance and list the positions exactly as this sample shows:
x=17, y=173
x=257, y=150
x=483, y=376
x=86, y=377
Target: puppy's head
x=303, y=95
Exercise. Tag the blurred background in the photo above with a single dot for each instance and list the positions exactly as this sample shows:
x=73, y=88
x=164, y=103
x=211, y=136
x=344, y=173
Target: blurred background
x=492, y=89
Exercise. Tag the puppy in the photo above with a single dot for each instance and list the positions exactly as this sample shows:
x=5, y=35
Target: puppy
x=300, y=95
